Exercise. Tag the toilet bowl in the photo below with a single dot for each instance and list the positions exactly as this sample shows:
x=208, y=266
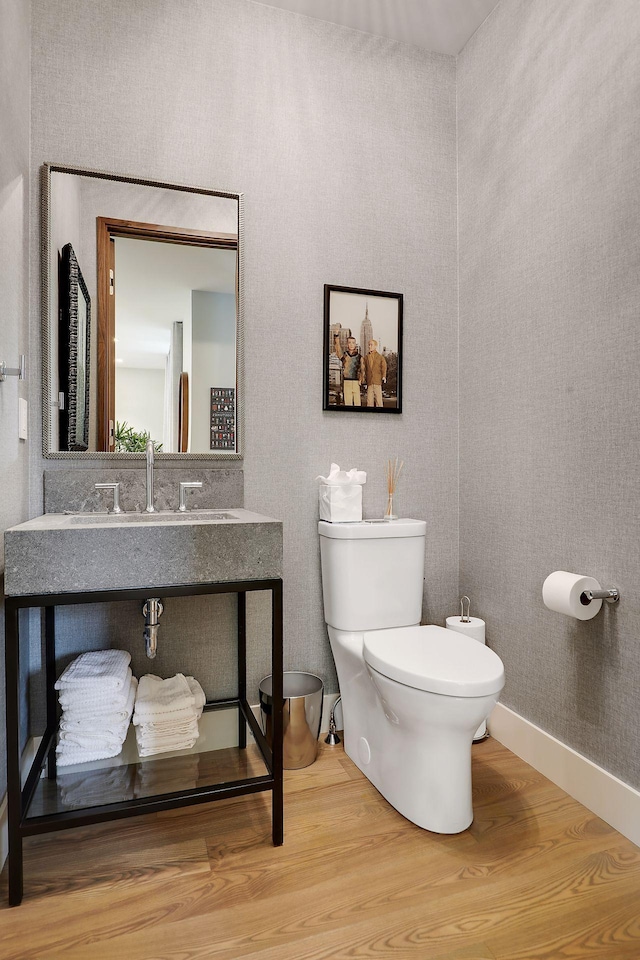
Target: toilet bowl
x=412, y=696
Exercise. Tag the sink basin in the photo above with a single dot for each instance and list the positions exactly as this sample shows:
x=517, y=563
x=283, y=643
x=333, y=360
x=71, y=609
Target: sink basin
x=60, y=553
x=168, y=516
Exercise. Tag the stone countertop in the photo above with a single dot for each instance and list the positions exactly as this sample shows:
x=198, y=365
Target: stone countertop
x=73, y=553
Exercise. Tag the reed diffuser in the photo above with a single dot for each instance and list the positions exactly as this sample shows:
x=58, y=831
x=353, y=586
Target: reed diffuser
x=393, y=474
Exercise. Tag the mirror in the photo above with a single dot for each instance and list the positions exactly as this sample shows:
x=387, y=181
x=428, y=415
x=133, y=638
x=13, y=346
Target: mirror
x=142, y=317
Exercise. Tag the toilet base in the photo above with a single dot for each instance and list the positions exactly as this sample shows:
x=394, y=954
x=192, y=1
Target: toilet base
x=414, y=747
x=424, y=745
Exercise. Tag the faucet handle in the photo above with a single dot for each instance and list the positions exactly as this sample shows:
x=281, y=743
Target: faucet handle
x=196, y=484
x=116, y=494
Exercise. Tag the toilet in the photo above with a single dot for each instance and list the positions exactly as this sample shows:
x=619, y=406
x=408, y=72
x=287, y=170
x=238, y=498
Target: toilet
x=412, y=696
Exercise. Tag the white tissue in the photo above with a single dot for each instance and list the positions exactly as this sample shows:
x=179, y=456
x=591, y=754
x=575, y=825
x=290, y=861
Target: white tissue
x=338, y=477
x=340, y=495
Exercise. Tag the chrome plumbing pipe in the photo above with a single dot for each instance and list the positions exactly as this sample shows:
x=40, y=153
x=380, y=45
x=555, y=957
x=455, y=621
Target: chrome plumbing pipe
x=152, y=611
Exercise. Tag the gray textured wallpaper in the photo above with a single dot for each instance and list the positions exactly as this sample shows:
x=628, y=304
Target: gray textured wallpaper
x=549, y=168
x=14, y=281
x=345, y=148
x=344, y=145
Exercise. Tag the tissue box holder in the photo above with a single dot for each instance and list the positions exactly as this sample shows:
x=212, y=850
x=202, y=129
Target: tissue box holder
x=341, y=503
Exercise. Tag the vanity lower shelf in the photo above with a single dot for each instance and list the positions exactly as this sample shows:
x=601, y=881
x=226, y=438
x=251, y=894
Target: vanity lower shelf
x=216, y=763
x=231, y=757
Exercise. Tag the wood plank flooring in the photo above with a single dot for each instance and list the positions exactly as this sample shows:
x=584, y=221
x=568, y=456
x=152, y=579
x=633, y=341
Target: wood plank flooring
x=536, y=877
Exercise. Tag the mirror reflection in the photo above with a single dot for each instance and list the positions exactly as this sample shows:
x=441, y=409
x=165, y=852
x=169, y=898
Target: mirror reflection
x=160, y=267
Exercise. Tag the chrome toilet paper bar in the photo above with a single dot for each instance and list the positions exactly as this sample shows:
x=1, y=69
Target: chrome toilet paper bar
x=612, y=595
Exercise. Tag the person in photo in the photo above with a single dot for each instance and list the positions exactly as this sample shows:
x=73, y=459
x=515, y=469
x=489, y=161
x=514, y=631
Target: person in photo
x=352, y=370
x=375, y=374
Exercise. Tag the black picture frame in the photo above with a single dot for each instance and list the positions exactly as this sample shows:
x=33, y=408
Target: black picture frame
x=363, y=315
x=74, y=343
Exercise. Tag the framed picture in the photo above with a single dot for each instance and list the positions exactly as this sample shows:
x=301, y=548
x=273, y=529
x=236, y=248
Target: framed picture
x=362, y=350
x=73, y=352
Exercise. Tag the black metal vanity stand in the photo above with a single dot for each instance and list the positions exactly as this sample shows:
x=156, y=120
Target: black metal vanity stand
x=20, y=799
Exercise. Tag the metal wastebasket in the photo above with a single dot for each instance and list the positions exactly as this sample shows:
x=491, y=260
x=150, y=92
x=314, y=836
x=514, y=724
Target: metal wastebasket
x=302, y=716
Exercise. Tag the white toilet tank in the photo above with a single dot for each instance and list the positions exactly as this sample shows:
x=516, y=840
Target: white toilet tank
x=372, y=573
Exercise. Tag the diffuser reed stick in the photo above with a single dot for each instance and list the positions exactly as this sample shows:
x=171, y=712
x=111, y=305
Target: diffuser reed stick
x=392, y=474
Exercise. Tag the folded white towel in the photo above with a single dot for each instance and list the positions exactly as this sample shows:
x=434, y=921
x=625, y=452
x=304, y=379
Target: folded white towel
x=95, y=701
x=92, y=739
x=98, y=734
x=98, y=669
x=198, y=694
x=164, y=737
x=150, y=751
x=100, y=724
x=165, y=716
x=164, y=729
x=156, y=696
x=67, y=754
x=185, y=732
x=110, y=726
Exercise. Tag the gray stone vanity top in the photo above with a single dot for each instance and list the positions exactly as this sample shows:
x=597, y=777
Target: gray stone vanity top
x=58, y=553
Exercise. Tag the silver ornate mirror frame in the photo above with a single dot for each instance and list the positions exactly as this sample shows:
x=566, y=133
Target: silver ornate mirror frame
x=46, y=279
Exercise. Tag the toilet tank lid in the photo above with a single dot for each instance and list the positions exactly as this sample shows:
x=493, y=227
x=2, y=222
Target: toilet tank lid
x=434, y=659
x=372, y=529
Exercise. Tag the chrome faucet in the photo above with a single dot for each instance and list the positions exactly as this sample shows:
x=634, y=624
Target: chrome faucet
x=150, y=458
x=194, y=485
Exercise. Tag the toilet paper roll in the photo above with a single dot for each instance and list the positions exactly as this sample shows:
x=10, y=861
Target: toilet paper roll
x=562, y=591
x=475, y=627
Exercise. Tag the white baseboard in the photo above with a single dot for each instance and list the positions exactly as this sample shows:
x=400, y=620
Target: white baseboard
x=27, y=759
x=605, y=795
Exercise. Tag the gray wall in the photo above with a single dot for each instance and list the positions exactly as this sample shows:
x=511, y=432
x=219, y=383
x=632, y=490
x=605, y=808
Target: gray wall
x=344, y=146
x=549, y=164
x=14, y=278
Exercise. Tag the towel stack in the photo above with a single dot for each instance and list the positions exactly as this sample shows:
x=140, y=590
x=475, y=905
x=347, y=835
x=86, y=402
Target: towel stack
x=96, y=693
x=166, y=713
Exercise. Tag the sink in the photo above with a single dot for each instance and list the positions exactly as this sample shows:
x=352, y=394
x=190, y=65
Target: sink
x=61, y=553
x=165, y=516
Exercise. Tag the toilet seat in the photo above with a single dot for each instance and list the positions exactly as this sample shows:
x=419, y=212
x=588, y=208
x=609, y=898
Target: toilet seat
x=436, y=660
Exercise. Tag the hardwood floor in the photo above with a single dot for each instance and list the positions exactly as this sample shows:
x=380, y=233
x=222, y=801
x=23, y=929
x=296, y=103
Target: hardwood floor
x=536, y=877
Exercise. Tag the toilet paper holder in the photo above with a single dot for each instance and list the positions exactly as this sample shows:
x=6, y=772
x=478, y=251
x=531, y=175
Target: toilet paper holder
x=464, y=619
x=611, y=595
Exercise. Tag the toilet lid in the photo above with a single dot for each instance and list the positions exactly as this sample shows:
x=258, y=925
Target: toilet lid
x=434, y=659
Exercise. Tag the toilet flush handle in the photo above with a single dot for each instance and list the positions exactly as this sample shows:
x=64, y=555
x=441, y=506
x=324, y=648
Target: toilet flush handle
x=464, y=619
